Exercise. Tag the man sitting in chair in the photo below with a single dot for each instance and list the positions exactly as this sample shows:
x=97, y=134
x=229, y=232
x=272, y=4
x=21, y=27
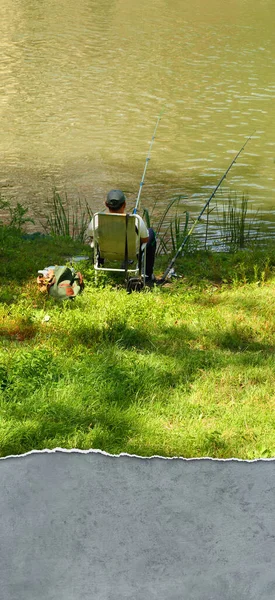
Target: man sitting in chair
x=116, y=203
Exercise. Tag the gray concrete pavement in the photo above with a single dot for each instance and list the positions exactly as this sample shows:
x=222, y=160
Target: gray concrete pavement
x=76, y=526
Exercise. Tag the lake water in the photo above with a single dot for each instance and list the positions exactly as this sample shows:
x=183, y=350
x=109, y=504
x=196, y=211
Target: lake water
x=82, y=85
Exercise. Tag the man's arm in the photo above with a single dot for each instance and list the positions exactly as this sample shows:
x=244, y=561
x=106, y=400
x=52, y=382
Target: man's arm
x=144, y=233
x=89, y=238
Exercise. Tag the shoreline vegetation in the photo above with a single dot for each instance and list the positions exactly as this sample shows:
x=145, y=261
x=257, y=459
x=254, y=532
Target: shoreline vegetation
x=186, y=369
x=230, y=223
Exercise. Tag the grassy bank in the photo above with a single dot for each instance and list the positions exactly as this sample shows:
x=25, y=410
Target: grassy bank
x=186, y=370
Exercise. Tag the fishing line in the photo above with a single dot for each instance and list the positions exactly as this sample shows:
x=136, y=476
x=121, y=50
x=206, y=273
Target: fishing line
x=147, y=161
x=171, y=264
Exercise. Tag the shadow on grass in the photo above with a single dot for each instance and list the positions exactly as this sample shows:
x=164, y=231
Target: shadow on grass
x=100, y=398
x=238, y=339
x=99, y=401
x=179, y=339
x=67, y=426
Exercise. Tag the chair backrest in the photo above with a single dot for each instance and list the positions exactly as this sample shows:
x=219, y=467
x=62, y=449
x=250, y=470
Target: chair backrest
x=110, y=234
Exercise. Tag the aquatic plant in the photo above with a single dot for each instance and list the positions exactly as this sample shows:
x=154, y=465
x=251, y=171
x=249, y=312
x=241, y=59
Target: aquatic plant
x=237, y=227
x=66, y=219
x=17, y=214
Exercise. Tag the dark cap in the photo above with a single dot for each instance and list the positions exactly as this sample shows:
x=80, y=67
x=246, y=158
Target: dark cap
x=115, y=199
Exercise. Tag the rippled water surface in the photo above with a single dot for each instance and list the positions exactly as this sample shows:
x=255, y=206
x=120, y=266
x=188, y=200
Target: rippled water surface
x=82, y=85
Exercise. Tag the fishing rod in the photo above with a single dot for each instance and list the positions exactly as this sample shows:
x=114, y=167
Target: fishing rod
x=146, y=162
x=171, y=264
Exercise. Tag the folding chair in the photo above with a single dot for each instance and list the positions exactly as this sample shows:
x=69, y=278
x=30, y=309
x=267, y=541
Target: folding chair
x=116, y=237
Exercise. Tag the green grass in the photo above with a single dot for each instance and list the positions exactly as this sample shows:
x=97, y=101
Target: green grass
x=182, y=370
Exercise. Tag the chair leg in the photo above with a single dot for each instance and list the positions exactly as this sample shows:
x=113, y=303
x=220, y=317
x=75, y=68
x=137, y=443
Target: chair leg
x=96, y=261
x=142, y=265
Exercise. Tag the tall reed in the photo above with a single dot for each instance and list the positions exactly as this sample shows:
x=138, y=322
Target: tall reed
x=170, y=230
x=236, y=227
x=66, y=219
